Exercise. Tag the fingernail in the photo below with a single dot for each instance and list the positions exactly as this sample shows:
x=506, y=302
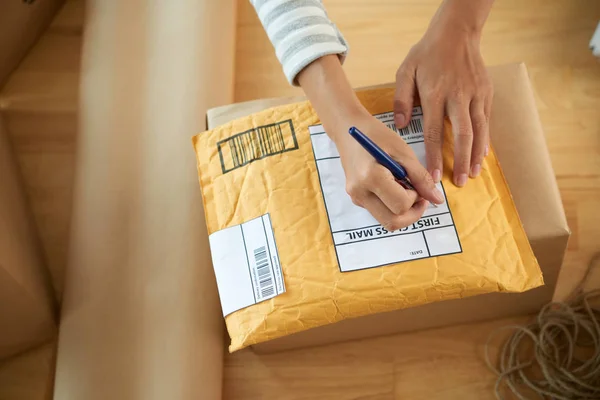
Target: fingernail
x=461, y=180
x=437, y=175
x=487, y=150
x=439, y=197
x=400, y=120
x=475, y=170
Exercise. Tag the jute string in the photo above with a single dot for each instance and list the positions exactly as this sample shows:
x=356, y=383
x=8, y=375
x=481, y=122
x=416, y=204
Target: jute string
x=556, y=356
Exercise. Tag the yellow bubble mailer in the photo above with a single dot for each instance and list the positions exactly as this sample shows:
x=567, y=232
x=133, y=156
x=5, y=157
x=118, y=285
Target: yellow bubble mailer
x=291, y=252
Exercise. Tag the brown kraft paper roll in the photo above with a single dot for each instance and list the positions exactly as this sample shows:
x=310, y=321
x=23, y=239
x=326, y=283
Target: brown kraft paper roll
x=141, y=317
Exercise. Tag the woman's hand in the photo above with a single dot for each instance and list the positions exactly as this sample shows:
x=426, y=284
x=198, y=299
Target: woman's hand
x=447, y=71
x=372, y=186
x=369, y=184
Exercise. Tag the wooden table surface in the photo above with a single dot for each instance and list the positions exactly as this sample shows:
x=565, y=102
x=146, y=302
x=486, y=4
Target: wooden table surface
x=40, y=106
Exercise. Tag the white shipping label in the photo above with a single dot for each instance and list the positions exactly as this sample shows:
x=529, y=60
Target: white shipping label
x=360, y=241
x=246, y=264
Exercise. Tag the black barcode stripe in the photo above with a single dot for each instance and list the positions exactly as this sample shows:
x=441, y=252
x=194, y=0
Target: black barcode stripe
x=415, y=124
x=281, y=140
x=263, y=270
x=414, y=127
x=262, y=140
x=233, y=153
x=255, y=144
x=269, y=142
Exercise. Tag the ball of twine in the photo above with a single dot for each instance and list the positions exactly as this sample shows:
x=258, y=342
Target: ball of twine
x=556, y=356
x=565, y=342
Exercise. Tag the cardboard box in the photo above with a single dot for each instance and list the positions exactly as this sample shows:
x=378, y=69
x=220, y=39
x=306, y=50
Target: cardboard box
x=520, y=145
x=27, y=309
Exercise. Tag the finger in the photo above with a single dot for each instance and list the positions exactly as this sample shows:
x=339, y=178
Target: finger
x=404, y=96
x=422, y=181
x=480, y=127
x=458, y=112
x=487, y=108
x=487, y=104
x=391, y=221
x=397, y=199
x=433, y=120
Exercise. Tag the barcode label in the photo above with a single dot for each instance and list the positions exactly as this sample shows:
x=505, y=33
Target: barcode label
x=255, y=144
x=415, y=126
x=263, y=268
x=246, y=264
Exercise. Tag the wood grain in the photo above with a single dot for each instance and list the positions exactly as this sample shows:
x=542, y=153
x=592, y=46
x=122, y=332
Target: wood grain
x=40, y=103
x=436, y=364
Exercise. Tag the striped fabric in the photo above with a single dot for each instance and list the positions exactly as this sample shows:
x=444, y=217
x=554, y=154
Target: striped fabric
x=300, y=32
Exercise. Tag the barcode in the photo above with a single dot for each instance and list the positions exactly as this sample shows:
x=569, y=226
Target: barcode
x=255, y=144
x=263, y=270
x=414, y=127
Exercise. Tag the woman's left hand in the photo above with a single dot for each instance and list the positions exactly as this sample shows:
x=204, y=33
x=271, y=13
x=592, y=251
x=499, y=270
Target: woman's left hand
x=447, y=71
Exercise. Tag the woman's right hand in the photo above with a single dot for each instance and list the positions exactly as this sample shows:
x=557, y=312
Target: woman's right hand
x=372, y=186
x=369, y=184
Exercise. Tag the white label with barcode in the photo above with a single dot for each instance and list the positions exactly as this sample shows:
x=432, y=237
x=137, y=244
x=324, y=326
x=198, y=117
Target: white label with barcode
x=246, y=264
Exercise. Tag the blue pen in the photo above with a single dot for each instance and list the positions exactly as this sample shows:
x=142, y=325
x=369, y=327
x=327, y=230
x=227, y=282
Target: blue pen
x=382, y=157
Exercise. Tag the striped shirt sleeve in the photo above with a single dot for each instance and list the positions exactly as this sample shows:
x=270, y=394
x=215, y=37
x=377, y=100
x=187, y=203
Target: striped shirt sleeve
x=300, y=32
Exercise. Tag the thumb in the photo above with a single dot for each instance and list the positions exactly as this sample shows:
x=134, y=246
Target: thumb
x=423, y=182
x=404, y=96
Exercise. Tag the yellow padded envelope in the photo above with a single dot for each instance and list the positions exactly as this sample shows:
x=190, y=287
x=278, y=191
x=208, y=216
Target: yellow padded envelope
x=291, y=252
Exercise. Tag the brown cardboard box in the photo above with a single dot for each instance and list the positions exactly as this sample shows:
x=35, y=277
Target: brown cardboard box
x=27, y=309
x=519, y=142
